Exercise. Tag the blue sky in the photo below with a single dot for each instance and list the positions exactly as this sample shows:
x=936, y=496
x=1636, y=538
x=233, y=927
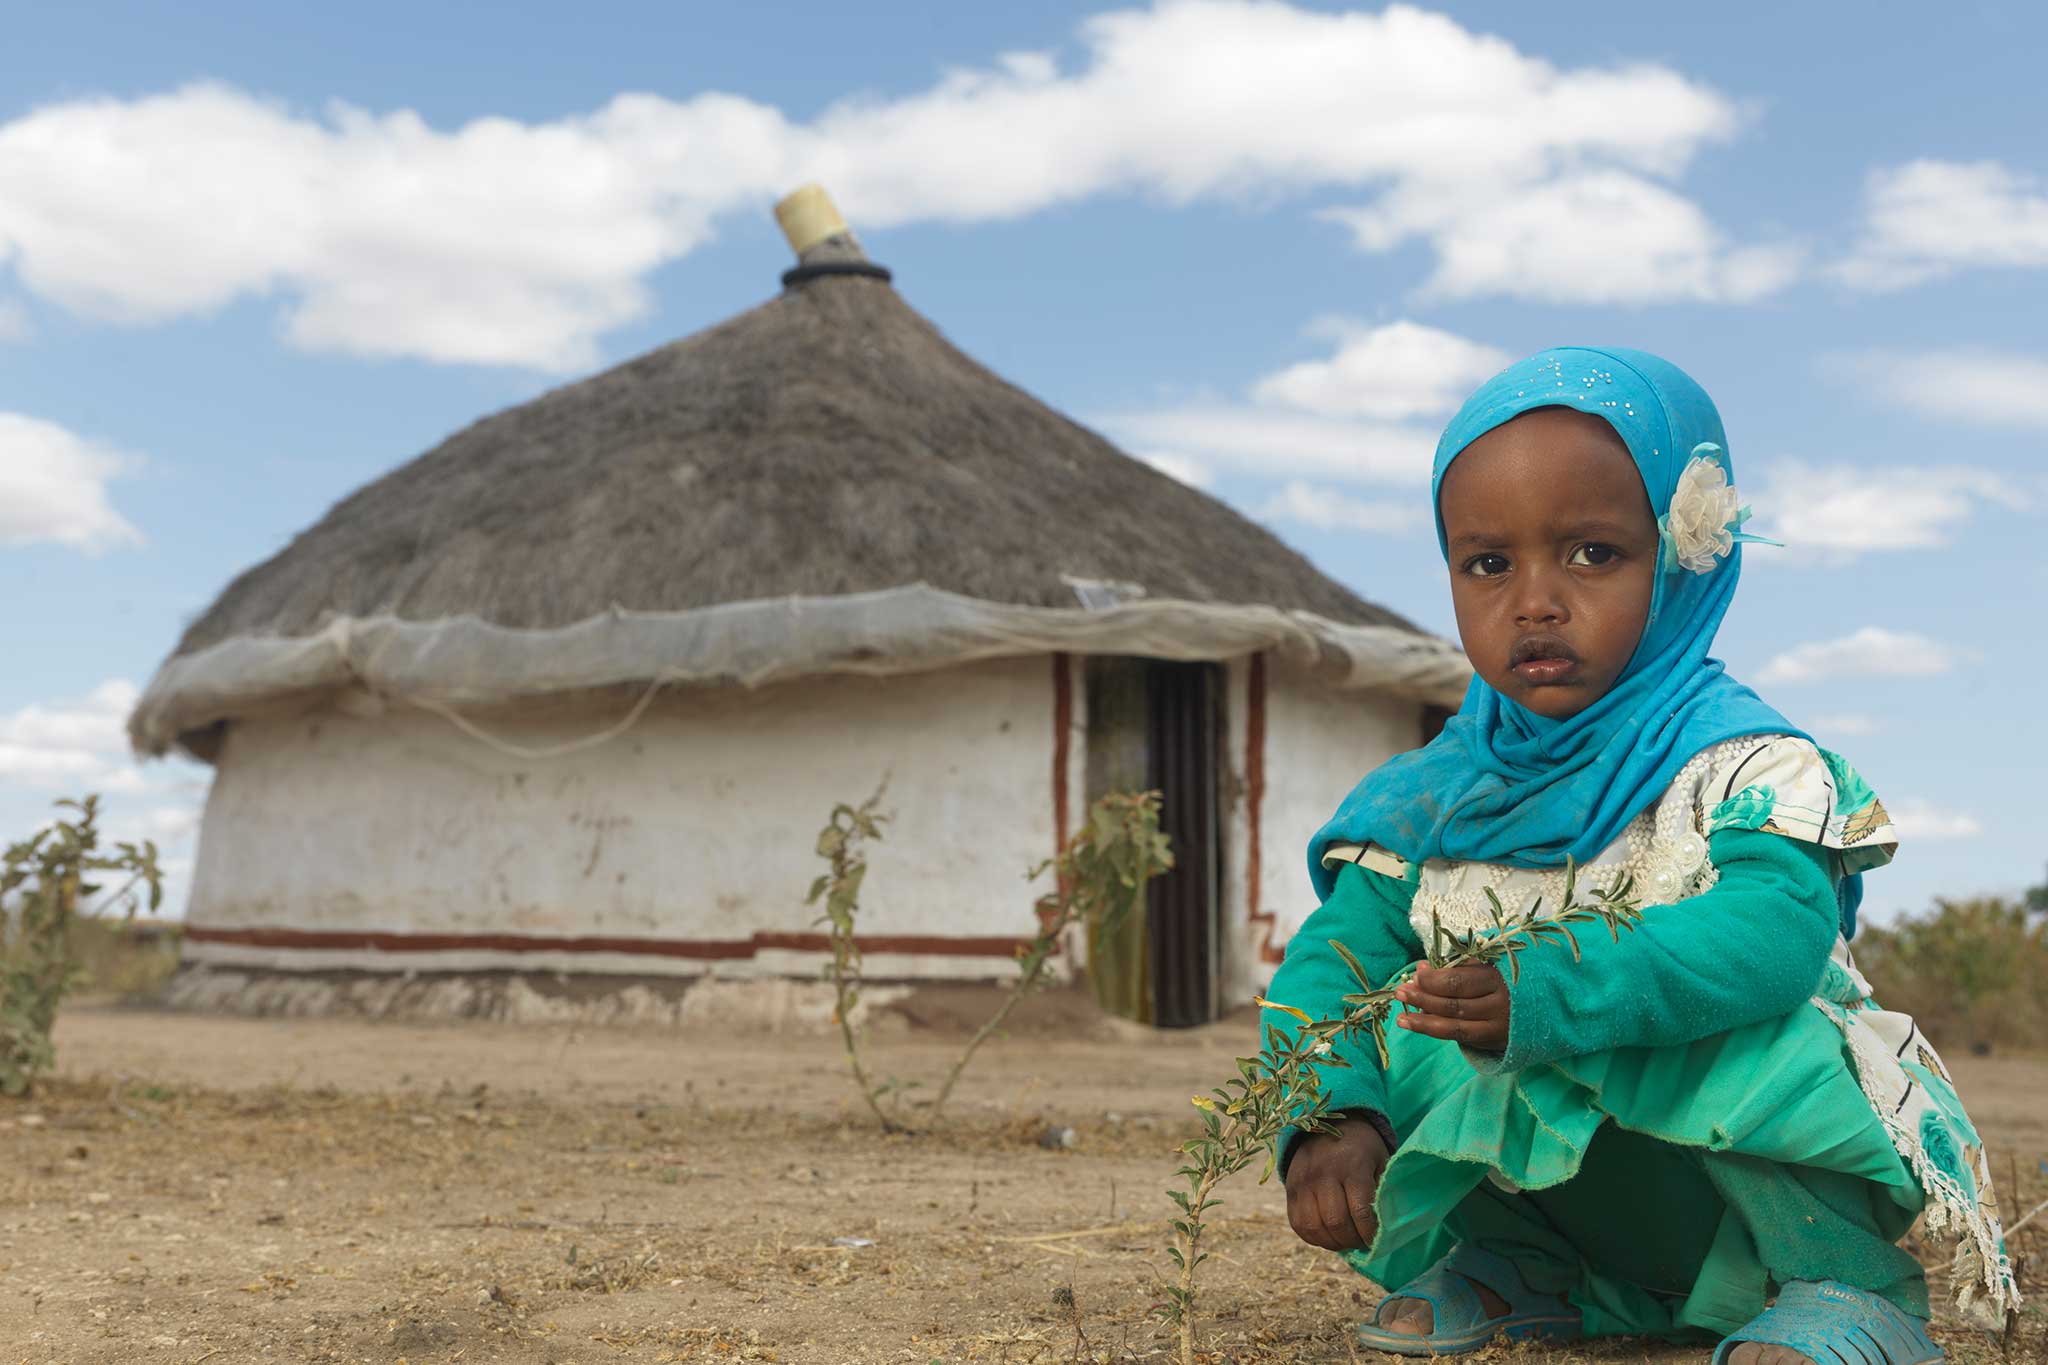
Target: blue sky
x=248, y=262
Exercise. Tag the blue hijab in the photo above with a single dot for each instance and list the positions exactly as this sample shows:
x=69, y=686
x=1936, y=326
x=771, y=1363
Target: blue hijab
x=1502, y=784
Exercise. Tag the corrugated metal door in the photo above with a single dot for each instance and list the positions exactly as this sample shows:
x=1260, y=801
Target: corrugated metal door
x=1182, y=906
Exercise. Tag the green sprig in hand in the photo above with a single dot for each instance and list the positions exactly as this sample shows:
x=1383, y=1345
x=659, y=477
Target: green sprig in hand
x=1460, y=995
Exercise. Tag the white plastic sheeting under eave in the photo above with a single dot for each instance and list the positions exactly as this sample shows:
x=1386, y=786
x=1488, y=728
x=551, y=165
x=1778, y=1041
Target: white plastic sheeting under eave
x=464, y=660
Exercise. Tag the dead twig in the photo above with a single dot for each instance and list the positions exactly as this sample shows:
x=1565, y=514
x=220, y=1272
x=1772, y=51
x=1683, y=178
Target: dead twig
x=535, y=1225
x=1103, y=1231
x=2032, y=1214
x=1064, y=1251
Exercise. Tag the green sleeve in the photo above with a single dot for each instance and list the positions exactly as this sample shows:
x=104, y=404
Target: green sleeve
x=1751, y=947
x=1368, y=912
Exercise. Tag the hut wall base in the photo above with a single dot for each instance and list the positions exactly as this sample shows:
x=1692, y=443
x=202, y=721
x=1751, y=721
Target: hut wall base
x=759, y=1005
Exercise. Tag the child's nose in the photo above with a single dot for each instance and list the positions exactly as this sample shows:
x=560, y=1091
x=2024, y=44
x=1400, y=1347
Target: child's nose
x=1541, y=602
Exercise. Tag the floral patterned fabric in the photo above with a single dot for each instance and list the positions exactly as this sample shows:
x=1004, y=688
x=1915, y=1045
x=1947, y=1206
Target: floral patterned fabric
x=1910, y=1092
x=1788, y=786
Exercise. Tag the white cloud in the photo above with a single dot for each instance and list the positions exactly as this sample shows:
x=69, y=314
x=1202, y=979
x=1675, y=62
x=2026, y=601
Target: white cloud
x=1329, y=510
x=513, y=242
x=1608, y=236
x=1871, y=651
x=1389, y=373
x=498, y=241
x=1193, y=473
x=167, y=823
x=1924, y=820
x=79, y=745
x=1336, y=418
x=1275, y=443
x=71, y=746
x=1977, y=386
x=1926, y=219
x=1831, y=513
x=14, y=323
x=53, y=487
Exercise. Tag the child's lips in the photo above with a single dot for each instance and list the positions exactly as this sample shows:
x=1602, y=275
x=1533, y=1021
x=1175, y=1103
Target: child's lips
x=1546, y=672
x=1543, y=660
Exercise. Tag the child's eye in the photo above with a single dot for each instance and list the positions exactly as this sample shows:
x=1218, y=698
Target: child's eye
x=1486, y=566
x=1594, y=556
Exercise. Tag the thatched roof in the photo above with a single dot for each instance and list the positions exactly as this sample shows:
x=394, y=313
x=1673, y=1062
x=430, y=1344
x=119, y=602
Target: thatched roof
x=822, y=484
x=829, y=441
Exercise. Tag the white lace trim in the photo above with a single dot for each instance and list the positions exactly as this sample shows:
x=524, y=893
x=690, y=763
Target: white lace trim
x=1664, y=850
x=1980, y=1276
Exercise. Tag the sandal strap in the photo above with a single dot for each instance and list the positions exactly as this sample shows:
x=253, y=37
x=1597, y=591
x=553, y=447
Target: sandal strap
x=1831, y=1322
x=1451, y=1297
x=1452, y=1290
x=1502, y=1276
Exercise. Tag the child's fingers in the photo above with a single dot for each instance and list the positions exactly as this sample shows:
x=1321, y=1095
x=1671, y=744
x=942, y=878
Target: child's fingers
x=1358, y=1195
x=1466, y=982
x=1488, y=1034
x=1493, y=1006
x=1305, y=1214
x=1322, y=1216
x=1301, y=1215
x=1456, y=1006
x=1336, y=1214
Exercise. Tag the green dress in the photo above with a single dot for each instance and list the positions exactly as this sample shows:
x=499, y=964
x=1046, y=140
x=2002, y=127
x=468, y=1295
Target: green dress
x=1705, y=1108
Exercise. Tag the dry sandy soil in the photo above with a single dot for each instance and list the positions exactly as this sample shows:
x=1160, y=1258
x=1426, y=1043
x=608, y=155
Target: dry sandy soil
x=195, y=1188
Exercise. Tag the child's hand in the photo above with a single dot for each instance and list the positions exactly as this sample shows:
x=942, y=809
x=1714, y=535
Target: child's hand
x=1468, y=1005
x=1331, y=1183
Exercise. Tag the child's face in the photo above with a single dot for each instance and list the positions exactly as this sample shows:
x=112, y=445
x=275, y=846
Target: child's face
x=1553, y=558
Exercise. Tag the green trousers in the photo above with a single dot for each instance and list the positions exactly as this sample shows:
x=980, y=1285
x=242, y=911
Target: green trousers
x=1655, y=1238
x=1688, y=1231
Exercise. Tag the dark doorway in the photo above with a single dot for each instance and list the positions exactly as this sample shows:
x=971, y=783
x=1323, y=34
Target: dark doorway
x=1183, y=905
x=1158, y=724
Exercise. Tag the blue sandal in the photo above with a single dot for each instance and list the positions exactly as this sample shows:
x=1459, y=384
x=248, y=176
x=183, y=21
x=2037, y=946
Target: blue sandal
x=1461, y=1321
x=1830, y=1322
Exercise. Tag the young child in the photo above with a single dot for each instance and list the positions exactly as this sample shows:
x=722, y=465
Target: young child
x=1707, y=1114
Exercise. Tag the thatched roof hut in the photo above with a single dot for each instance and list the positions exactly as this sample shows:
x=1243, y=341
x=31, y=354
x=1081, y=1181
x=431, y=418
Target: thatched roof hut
x=820, y=487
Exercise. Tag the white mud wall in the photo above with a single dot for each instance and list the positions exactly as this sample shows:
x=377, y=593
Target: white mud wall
x=1318, y=743
x=697, y=825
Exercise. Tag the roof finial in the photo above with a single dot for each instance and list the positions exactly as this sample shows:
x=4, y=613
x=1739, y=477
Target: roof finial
x=823, y=243
x=808, y=217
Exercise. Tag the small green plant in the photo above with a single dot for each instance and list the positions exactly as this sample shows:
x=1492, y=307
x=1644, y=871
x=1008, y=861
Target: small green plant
x=1100, y=878
x=44, y=881
x=840, y=844
x=1282, y=1086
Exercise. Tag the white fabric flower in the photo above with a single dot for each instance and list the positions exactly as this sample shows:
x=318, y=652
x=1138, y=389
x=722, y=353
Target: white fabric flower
x=1699, y=530
x=1673, y=868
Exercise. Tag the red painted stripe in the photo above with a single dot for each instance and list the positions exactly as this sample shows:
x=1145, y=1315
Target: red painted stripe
x=1254, y=801
x=698, y=949
x=1062, y=740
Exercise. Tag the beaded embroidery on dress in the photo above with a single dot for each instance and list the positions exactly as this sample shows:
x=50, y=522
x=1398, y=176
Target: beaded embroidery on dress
x=1775, y=784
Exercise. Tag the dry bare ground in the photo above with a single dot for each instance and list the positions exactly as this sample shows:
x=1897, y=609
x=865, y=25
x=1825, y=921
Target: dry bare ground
x=195, y=1188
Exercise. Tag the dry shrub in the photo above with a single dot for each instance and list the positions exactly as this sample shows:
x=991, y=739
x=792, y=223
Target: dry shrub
x=1972, y=973
x=125, y=958
x=45, y=887
x=1101, y=875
